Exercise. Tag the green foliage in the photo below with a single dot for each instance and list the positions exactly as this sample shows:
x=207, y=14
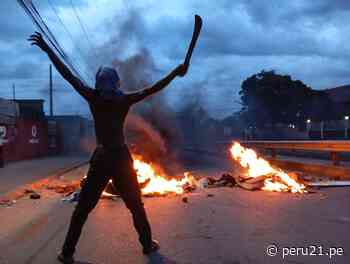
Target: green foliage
x=271, y=98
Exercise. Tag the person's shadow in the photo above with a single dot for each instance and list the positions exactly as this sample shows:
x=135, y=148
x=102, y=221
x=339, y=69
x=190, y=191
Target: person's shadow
x=154, y=258
x=157, y=258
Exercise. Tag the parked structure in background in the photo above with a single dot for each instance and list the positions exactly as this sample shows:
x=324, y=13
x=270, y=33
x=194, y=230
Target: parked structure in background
x=334, y=129
x=24, y=129
x=8, y=113
x=340, y=96
x=26, y=133
x=9, y=110
x=69, y=134
x=31, y=109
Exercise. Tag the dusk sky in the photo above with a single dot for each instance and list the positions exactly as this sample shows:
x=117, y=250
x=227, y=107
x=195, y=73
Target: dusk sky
x=305, y=39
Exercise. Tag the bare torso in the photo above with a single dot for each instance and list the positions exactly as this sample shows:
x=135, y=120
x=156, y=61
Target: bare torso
x=109, y=117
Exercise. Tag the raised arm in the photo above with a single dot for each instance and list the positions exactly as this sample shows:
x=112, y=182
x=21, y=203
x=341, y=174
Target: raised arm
x=78, y=85
x=161, y=84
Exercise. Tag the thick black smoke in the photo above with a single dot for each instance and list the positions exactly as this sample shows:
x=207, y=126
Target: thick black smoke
x=151, y=127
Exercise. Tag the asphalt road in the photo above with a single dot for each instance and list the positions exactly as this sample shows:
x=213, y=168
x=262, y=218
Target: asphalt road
x=22, y=172
x=234, y=226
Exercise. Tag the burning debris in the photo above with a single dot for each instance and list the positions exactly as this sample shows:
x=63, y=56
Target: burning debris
x=72, y=197
x=157, y=184
x=153, y=183
x=259, y=174
x=34, y=196
x=225, y=180
x=7, y=202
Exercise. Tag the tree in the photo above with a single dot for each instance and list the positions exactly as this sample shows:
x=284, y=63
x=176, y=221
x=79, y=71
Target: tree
x=270, y=98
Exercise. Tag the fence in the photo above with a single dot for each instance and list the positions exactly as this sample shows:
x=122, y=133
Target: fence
x=334, y=147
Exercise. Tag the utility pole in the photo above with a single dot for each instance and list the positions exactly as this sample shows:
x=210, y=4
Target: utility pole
x=13, y=92
x=16, y=110
x=50, y=87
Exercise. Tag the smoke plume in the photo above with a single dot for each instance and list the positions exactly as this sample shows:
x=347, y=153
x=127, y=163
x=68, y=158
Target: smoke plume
x=151, y=127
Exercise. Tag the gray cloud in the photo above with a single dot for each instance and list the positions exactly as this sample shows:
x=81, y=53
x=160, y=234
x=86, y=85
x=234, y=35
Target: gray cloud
x=307, y=39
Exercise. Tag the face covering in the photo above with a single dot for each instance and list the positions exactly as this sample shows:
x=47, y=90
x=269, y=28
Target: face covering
x=107, y=82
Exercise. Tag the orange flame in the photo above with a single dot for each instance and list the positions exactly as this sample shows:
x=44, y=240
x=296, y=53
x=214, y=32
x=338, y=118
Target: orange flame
x=279, y=181
x=158, y=183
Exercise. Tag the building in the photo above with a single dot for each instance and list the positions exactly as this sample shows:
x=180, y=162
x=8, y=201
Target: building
x=9, y=110
x=31, y=109
x=70, y=134
x=333, y=123
x=26, y=133
x=340, y=96
x=23, y=129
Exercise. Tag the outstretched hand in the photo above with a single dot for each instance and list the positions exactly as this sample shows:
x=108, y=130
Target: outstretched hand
x=181, y=70
x=38, y=40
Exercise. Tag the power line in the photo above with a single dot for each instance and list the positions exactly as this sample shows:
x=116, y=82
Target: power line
x=35, y=16
x=69, y=35
x=92, y=48
x=38, y=21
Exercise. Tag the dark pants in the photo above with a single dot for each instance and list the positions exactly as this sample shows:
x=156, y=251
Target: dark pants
x=106, y=164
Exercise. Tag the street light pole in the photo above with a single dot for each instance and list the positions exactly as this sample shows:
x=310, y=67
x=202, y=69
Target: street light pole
x=308, y=127
x=346, y=118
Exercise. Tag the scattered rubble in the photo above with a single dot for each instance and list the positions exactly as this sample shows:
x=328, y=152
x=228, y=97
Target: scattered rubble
x=7, y=202
x=225, y=180
x=251, y=184
x=203, y=183
x=273, y=178
x=72, y=197
x=71, y=188
x=34, y=196
x=62, y=187
x=28, y=191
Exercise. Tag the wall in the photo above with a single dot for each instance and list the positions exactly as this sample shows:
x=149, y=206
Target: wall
x=26, y=139
x=70, y=134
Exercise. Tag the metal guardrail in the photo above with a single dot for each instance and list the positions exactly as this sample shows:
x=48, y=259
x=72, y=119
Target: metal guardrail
x=315, y=145
x=307, y=165
x=334, y=147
